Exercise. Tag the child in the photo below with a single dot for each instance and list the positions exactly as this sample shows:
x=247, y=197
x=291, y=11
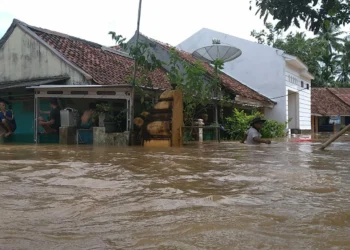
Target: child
x=253, y=135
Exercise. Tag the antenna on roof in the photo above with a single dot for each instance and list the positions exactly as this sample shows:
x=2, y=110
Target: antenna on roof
x=216, y=51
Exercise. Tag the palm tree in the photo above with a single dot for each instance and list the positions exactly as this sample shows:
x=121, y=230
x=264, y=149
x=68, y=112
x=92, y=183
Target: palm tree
x=329, y=63
x=343, y=71
x=331, y=34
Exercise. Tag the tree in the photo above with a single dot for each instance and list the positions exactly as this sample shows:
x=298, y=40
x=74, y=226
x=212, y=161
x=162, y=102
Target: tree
x=331, y=34
x=315, y=13
x=191, y=78
x=146, y=64
x=326, y=55
x=329, y=63
x=309, y=50
x=343, y=70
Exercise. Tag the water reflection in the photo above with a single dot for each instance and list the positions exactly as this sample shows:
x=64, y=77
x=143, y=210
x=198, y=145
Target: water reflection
x=216, y=196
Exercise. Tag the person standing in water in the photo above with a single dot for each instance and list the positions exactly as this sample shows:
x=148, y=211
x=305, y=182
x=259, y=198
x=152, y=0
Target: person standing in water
x=253, y=135
x=7, y=120
x=53, y=124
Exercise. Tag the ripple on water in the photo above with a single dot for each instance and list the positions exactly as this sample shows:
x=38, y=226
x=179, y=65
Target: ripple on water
x=217, y=196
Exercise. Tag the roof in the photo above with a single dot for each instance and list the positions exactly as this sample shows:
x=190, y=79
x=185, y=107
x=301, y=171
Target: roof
x=32, y=82
x=106, y=66
x=296, y=62
x=342, y=93
x=230, y=83
x=327, y=101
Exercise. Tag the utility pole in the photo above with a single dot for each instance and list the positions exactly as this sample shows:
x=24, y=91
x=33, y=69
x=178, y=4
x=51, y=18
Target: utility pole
x=132, y=106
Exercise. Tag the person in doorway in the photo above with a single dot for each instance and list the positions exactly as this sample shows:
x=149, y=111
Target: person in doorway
x=253, y=135
x=8, y=122
x=88, y=120
x=53, y=124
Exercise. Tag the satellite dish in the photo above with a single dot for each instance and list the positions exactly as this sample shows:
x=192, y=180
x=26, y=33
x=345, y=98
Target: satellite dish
x=216, y=51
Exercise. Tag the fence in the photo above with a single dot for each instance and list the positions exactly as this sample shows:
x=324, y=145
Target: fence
x=201, y=133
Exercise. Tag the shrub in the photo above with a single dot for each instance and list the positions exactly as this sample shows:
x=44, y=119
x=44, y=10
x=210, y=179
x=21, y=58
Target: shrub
x=273, y=129
x=237, y=124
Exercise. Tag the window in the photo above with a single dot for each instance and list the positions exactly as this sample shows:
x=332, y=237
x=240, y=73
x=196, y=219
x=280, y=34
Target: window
x=302, y=84
x=307, y=86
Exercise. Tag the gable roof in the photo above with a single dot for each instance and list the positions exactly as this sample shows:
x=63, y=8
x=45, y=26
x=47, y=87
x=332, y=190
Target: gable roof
x=330, y=101
x=342, y=93
x=229, y=82
x=102, y=65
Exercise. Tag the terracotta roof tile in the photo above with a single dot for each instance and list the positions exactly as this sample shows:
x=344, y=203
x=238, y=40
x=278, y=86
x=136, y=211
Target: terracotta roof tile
x=324, y=102
x=342, y=93
x=228, y=81
x=106, y=65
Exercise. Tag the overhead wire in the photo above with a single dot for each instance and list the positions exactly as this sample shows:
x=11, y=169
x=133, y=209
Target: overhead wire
x=277, y=97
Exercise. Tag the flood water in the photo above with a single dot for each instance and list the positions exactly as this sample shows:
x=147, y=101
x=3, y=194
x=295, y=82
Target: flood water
x=215, y=196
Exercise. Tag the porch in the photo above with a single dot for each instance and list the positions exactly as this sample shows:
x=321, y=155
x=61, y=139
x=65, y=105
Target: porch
x=79, y=98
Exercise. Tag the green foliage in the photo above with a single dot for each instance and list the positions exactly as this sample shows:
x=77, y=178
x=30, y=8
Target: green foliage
x=326, y=55
x=237, y=124
x=145, y=61
x=273, y=129
x=107, y=109
x=198, y=88
x=314, y=13
x=192, y=80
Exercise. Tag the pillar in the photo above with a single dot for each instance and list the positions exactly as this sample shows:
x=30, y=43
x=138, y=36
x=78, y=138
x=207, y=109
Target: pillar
x=131, y=116
x=177, y=119
x=216, y=121
x=200, y=130
x=316, y=124
x=312, y=124
x=36, y=117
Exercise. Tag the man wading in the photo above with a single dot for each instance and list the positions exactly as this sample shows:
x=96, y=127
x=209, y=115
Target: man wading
x=253, y=135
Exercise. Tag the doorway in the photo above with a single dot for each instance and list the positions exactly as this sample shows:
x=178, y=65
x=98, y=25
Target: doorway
x=293, y=109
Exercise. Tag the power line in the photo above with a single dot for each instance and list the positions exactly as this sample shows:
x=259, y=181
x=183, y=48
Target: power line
x=288, y=94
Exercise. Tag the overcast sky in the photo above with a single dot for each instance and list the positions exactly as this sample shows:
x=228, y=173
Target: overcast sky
x=170, y=21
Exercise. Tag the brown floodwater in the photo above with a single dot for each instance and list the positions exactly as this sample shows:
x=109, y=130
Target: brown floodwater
x=213, y=196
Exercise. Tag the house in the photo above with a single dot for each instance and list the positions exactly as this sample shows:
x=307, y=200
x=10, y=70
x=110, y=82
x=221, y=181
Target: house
x=37, y=63
x=281, y=77
x=243, y=97
x=58, y=65
x=327, y=105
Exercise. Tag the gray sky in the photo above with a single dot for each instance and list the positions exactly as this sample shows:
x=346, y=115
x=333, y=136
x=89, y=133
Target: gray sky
x=170, y=21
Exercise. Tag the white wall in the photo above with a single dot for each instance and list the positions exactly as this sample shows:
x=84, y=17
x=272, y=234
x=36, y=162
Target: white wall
x=22, y=58
x=293, y=83
x=260, y=67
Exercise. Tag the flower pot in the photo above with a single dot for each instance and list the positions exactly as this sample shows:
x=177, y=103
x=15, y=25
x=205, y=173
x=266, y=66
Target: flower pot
x=110, y=127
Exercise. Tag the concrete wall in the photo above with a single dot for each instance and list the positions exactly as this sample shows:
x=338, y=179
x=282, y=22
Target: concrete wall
x=293, y=83
x=260, y=67
x=22, y=57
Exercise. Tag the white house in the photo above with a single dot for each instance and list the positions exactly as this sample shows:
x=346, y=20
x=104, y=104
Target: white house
x=271, y=72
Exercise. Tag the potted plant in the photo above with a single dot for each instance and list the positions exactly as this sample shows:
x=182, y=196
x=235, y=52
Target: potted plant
x=106, y=117
x=205, y=117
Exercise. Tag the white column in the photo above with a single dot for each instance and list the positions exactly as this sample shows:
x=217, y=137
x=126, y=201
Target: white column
x=200, y=130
